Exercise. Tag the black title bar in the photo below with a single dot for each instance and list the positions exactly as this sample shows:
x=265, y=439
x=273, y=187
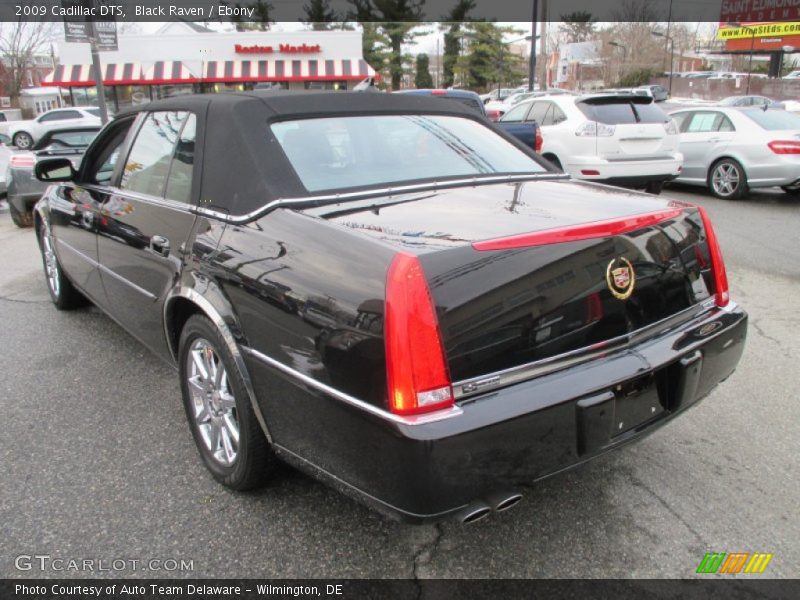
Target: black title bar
x=428, y=10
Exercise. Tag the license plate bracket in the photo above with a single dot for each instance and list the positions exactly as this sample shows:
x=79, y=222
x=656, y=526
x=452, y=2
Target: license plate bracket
x=635, y=403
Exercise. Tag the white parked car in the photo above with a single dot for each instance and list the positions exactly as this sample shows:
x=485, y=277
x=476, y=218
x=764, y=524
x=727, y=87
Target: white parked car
x=622, y=139
x=730, y=150
x=792, y=75
x=24, y=134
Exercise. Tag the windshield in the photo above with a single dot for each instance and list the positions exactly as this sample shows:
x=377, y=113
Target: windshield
x=93, y=111
x=774, y=120
x=351, y=152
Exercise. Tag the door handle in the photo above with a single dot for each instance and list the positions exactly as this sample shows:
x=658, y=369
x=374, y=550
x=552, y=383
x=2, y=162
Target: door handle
x=714, y=139
x=160, y=245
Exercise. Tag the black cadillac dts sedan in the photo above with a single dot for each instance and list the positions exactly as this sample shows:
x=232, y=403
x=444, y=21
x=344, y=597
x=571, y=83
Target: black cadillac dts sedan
x=388, y=293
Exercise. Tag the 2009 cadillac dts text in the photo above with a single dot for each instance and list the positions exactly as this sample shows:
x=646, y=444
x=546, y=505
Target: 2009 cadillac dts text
x=388, y=293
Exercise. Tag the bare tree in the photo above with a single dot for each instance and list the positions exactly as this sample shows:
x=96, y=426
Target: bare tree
x=20, y=42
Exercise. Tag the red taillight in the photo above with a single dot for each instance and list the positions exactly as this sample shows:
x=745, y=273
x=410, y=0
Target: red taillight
x=721, y=294
x=416, y=372
x=537, y=145
x=784, y=146
x=590, y=172
x=574, y=233
x=21, y=161
x=494, y=115
x=439, y=92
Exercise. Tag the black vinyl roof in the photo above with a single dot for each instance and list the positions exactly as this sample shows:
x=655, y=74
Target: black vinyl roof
x=243, y=165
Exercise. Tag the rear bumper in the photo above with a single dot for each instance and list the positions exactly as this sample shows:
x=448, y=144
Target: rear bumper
x=502, y=439
x=23, y=202
x=634, y=170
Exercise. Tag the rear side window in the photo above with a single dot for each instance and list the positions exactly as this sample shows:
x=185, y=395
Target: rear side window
x=774, y=120
x=538, y=112
x=516, y=114
x=704, y=122
x=179, y=182
x=150, y=158
x=621, y=112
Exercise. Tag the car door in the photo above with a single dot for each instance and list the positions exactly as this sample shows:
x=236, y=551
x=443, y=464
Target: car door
x=704, y=136
x=147, y=221
x=75, y=208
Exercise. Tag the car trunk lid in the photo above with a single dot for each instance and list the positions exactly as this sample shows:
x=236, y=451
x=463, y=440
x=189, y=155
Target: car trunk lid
x=531, y=271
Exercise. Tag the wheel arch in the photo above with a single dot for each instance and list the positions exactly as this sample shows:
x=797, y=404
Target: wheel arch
x=728, y=156
x=180, y=305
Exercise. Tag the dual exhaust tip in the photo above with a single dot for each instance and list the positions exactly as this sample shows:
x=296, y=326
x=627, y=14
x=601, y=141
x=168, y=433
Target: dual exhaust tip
x=479, y=509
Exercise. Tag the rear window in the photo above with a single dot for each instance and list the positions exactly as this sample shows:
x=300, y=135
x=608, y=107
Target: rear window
x=774, y=120
x=619, y=111
x=349, y=152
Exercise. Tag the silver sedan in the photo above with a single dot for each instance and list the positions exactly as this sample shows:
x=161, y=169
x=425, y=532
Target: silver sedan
x=730, y=150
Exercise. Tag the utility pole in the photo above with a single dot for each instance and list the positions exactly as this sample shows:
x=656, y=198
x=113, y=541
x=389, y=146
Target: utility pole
x=543, y=47
x=532, y=61
x=97, y=71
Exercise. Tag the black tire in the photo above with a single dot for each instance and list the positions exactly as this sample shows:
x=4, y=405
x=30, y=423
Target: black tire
x=22, y=140
x=63, y=294
x=728, y=189
x=254, y=460
x=654, y=187
x=21, y=219
x=792, y=191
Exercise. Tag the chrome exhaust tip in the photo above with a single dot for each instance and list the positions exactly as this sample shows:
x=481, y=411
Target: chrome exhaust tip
x=473, y=512
x=503, y=500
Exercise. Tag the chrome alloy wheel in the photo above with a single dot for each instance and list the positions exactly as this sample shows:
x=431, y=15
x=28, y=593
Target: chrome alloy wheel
x=726, y=179
x=50, y=263
x=213, y=402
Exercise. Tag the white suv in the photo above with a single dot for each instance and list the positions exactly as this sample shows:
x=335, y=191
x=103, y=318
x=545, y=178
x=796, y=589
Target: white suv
x=622, y=139
x=24, y=134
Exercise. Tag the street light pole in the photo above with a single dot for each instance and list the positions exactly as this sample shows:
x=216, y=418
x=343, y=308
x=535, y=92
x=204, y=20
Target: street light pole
x=532, y=60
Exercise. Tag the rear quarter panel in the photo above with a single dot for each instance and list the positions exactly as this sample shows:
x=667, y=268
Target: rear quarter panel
x=308, y=294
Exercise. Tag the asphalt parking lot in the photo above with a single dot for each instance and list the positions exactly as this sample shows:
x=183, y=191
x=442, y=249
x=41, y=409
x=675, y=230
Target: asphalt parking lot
x=98, y=461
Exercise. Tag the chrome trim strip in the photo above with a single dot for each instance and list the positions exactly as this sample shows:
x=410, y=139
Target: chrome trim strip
x=105, y=269
x=88, y=259
x=491, y=381
x=152, y=200
x=388, y=191
x=128, y=282
x=348, y=399
x=209, y=311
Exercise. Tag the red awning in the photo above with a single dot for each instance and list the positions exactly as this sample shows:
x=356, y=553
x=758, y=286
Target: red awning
x=169, y=72
x=81, y=75
x=287, y=70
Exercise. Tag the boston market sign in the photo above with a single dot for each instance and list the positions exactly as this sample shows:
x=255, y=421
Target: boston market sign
x=282, y=48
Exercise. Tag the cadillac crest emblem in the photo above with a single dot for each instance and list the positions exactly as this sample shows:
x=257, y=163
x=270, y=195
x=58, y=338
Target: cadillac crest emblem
x=620, y=278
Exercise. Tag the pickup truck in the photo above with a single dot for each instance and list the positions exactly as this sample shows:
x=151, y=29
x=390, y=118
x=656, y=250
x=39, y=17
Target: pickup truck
x=528, y=133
